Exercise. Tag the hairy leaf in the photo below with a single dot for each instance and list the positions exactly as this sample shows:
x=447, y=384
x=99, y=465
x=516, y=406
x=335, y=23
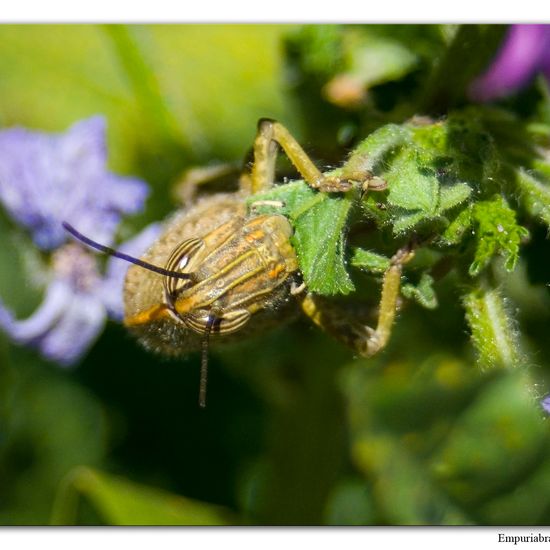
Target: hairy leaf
x=319, y=221
x=535, y=194
x=423, y=292
x=496, y=232
x=370, y=261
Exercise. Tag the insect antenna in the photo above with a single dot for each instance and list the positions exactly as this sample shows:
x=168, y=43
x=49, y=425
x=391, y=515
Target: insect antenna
x=204, y=360
x=115, y=253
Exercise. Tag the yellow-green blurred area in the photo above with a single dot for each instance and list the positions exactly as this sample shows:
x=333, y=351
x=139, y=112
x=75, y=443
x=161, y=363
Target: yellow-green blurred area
x=203, y=86
x=298, y=430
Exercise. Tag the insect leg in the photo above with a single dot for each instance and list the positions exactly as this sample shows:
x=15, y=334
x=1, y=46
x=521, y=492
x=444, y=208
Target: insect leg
x=270, y=133
x=191, y=181
x=363, y=339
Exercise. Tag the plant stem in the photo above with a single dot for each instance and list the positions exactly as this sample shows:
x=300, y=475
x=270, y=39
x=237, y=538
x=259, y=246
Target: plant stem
x=145, y=85
x=492, y=328
x=469, y=53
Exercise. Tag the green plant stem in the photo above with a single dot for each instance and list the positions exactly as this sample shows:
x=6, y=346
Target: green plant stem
x=492, y=328
x=145, y=85
x=469, y=53
x=535, y=195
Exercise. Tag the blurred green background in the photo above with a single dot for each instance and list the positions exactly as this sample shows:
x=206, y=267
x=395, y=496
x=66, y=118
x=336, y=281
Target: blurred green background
x=297, y=430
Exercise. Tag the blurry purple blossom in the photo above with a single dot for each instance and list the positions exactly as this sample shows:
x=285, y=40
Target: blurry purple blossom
x=49, y=178
x=545, y=404
x=524, y=53
x=46, y=179
x=77, y=301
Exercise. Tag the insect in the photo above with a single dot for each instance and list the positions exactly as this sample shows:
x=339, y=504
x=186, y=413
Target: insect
x=221, y=270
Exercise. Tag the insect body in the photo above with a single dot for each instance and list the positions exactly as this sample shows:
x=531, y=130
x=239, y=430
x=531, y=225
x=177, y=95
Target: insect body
x=241, y=270
x=220, y=270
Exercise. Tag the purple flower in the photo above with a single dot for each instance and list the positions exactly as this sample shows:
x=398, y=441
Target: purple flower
x=524, y=54
x=77, y=301
x=545, y=404
x=44, y=180
x=49, y=178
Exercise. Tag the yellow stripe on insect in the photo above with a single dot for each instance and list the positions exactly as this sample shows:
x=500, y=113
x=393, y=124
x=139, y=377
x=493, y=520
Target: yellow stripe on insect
x=154, y=313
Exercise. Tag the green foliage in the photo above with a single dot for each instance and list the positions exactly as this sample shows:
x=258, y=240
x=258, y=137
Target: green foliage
x=121, y=502
x=423, y=292
x=416, y=435
x=313, y=214
x=493, y=329
x=472, y=48
x=496, y=231
x=320, y=47
x=435, y=191
x=159, y=100
x=369, y=261
x=425, y=172
x=535, y=194
x=456, y=461
x=322, y=261
x=49, y=425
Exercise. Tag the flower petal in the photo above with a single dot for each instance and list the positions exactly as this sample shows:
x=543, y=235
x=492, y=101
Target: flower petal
x=523, y=53
x=56, y=300
x=545, y=68
x=62, y=328
x=49, y=178
x=76, y=330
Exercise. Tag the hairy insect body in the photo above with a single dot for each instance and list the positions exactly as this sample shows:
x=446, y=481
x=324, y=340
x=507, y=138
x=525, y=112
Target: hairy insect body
x=240, y=270
x=219, y=270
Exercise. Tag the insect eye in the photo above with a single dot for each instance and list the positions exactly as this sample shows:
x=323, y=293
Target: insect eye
x=180, y=261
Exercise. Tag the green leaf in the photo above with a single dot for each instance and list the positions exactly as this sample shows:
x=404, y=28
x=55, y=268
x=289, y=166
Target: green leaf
x=375, y=59
x=319, y=239
x=319, y=221
x=440, y=444
x=456, y=230
x=122, y=502
x=496, y=232
x=427, y=167
x=411, y=189
x=494, y=447
x=423, y=292
x=369, y=261
x=406, y=222
x=373, y=152
x=535, y=194
x=398, y=416
x=453, y=195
